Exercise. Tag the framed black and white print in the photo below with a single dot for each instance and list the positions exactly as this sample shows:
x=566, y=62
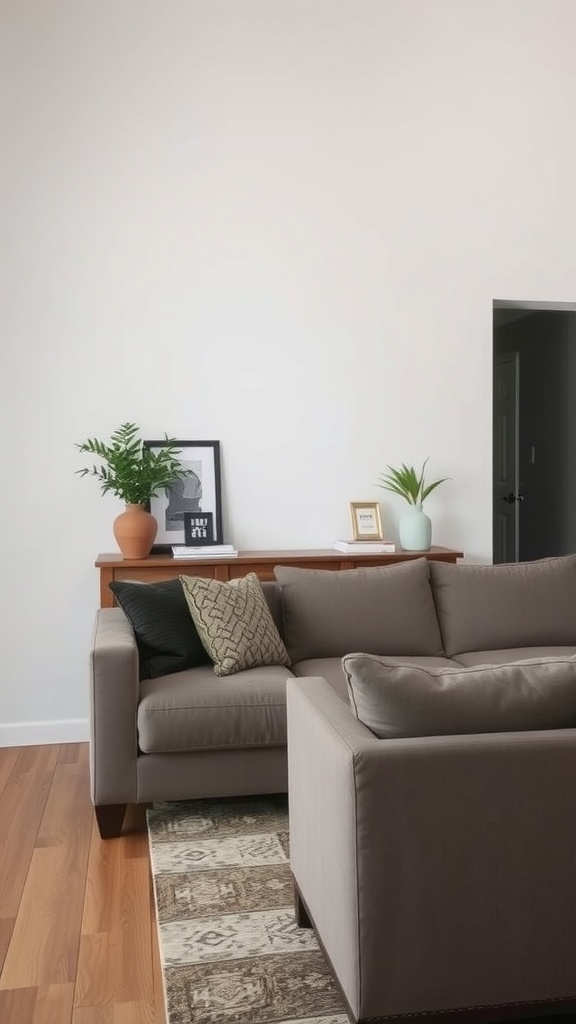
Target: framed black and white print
x=199, y=492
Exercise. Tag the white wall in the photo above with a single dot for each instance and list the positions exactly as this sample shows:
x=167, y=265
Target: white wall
x=280, y=223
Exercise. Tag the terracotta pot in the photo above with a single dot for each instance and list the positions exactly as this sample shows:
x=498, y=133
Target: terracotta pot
x=135, y=530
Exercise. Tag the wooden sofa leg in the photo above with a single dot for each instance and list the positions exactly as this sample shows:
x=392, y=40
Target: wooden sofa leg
x=300, y=912
x=110, y=818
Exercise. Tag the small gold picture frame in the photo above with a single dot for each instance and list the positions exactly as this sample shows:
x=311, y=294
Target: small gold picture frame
x=366, y=523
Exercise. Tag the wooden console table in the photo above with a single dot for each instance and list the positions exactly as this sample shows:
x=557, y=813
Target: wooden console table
x=164, y=567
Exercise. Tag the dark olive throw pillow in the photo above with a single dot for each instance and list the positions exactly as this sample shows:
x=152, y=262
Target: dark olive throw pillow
x=166, y=636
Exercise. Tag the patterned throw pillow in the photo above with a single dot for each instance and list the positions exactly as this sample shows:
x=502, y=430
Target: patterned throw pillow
x=234, y=623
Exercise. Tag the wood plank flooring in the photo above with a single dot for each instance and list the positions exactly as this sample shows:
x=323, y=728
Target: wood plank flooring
x=78, y=941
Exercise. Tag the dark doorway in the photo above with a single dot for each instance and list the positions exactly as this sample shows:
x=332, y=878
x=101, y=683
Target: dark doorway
x=540, y=503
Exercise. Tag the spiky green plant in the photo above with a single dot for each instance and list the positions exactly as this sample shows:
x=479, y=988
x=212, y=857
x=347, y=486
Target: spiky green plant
x=130, y=470
x=409, y=483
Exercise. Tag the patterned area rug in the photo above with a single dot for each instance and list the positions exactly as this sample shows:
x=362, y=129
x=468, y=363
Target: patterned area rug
x=231, y=950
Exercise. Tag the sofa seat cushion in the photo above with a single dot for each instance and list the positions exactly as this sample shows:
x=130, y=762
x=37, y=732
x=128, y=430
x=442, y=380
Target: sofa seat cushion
x=394, y=699
x=490, y=607
x=195, y=710
x=501, y=657
x=329, y=669
x=383, y=610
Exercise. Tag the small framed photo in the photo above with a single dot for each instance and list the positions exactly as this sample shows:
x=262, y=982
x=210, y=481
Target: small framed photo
x=366, y=523
x=198, y=493
x=198, y=529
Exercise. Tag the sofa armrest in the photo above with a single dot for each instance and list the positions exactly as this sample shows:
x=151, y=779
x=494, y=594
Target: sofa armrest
x=114, y=689
x=428, y=864
x=323, y=740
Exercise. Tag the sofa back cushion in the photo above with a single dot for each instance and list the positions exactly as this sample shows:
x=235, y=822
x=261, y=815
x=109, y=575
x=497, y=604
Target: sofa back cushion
x=383, y=610
x=488, y=607
x=273, y=594
x=396, y=700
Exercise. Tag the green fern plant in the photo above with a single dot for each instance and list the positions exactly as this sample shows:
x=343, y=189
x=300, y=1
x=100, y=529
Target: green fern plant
x=130, y=470
x=409, y=483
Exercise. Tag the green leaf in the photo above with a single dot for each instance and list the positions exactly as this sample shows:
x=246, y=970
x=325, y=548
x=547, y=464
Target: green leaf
x=408, y=482
x=130, y=471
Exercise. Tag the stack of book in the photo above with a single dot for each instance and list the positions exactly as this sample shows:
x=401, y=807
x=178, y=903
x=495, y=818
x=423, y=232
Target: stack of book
x=365, y=547
x=204, y=551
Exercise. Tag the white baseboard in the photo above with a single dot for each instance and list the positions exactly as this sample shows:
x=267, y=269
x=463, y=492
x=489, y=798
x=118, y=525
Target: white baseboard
x=28, y=734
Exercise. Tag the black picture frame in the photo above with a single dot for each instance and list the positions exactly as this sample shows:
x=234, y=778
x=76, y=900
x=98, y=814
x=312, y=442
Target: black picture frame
x=201, y=492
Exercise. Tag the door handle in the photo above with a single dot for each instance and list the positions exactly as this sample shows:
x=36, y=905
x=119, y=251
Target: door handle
x=511, y=498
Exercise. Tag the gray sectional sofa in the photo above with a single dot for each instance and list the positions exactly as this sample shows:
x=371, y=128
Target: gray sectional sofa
x=439, y=871
x=169, y=732
x=432, y=824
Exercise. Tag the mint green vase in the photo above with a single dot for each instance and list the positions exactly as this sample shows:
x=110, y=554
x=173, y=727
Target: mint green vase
x=415, y=530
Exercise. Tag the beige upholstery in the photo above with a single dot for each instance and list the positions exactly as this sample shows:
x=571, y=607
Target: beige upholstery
x=438, y=871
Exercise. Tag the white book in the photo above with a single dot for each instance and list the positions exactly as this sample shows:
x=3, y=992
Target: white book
x=183, y=548
x=210, y=551
x=210, y=558
x=366, y=547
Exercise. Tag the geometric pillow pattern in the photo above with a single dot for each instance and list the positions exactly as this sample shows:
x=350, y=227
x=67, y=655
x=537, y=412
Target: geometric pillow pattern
x=234, y=623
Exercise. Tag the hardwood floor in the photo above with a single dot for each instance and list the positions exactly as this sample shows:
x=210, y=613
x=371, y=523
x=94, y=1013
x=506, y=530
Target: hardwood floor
x=78, y=942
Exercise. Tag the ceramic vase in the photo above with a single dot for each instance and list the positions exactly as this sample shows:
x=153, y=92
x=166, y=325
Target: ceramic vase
x=135, y=530
x=415, y=530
